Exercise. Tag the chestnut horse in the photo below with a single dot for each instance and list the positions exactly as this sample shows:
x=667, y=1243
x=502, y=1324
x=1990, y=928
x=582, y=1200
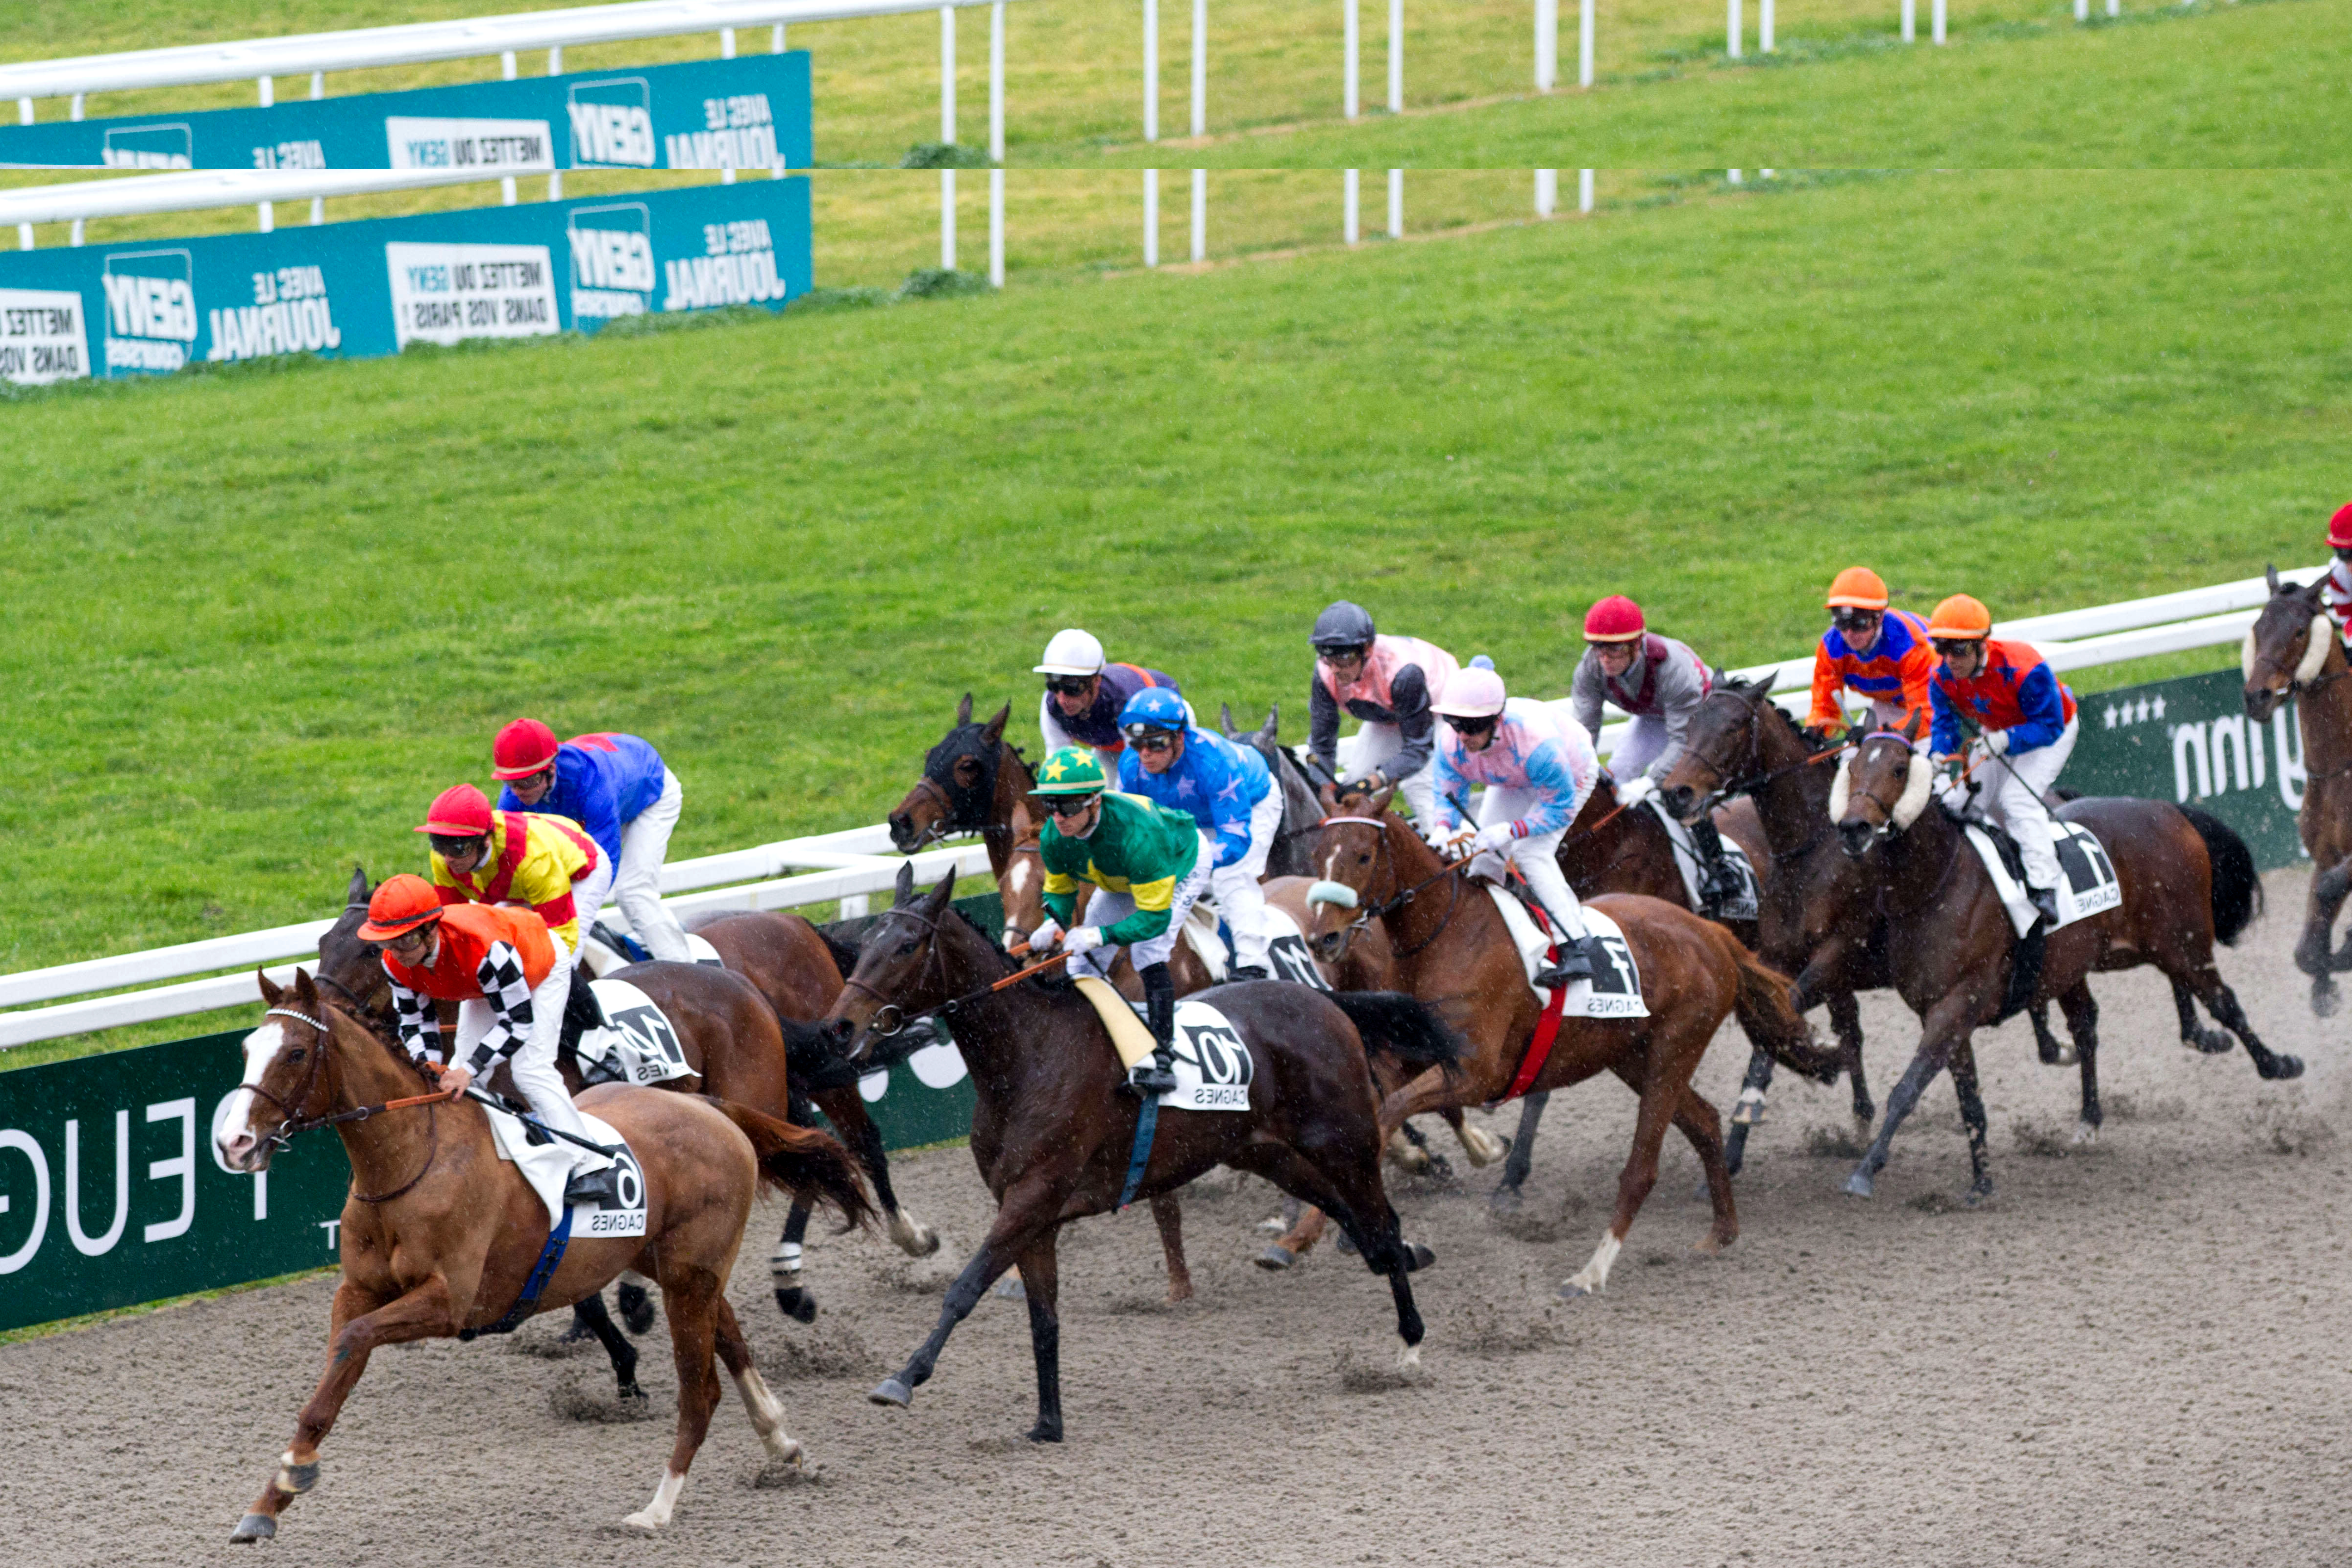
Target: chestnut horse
x=1053, y=1131
x=439, y=1235
x=2294, y=650
x=1454, y=952
x=2187, y=882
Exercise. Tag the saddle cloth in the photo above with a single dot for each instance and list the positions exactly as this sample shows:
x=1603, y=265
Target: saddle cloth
x=1213, y=1066
x=1740, y=906
x=1205, y=931
x=548, y=1168
x=636, y=1044
x=1286, y=953
x=2087, y=886
x=1615, y=989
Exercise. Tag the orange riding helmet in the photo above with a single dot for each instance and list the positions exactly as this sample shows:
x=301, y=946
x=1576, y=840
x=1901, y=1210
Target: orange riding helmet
x=1857, y=588
x=1960, y=618
x=399, y=906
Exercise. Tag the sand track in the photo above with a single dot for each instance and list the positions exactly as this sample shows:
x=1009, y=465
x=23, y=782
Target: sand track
x=2138, y=1352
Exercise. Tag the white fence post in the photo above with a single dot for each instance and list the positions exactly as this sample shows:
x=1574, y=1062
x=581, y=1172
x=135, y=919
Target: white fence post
x=2082, y=14
x=555, y=176
x=996, y=229
x=1765, y=43
x=1396, y=56
x=1936, y=21
x=1584, y=30
x=947, y=75
x=2115, y=8
x=23, y=237
x=1151, y=70
x=318, y=90
x=1199, y=70
x=776, y=40
x=1732, y=25
x=726, y=43
x=507, y=73
x=997, y=83
x=1547, y=192
x=1911, y=20
x=265, y=217
x=1354, y=30
x=1200, y=215
x=75, y=111
x=24, y=111
x=1547, y=44
x=947, y=219
x=74, y=240
x=1151, y=217
x=1348, y=219
x=1584, y=190
x=1396, y=203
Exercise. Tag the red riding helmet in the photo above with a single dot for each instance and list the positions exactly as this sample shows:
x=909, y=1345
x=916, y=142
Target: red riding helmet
x=402, y=905
x=1614, y=619
x=523, y=748
x=2339, y=528
x=458, y=812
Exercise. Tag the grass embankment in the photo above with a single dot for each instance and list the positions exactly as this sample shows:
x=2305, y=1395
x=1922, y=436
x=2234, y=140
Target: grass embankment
x=260, y=618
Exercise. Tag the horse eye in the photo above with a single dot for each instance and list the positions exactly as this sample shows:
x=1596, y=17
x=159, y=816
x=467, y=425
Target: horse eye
x=905, y=947
x=1363, y=860
x=296, y=1055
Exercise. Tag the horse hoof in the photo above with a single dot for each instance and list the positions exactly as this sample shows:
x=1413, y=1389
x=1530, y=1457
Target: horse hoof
x=1274, y=1259
x=1575, y=1290
x=1344, y=1244
x=1408, y=1359
x=1859, y=1185
x=1417, y=1258
x=576, y=1332
x=2066, y=1057
x=1980, y=1193
x=2324, y=1000
x=636, y=1308
x=1274, y=1225
x=1041, y=1433
x=2285, y=1067
x=255, y=1527
x=892, y=1391
x=793, y=1302
x=2085, y=1133
x=1507, y=1200
x=629, y=1390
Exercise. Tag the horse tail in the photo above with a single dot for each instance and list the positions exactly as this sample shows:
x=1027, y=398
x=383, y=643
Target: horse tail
x=2237, y=888
x=811, y=1166
x=1401, y=1027
x=1772, y=1023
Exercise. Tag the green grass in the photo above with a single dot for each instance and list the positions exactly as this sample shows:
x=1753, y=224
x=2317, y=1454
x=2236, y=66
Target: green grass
x=259, y=618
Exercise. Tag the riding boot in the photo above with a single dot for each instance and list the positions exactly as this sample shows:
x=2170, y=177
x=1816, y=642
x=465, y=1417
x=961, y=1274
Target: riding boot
x=1717, y=883
x=2046, y=903
x=598, y=1189
x=1574, y=962
x=1157, y=1075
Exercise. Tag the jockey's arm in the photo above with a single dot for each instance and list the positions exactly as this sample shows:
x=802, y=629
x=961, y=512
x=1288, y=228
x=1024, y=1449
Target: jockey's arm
x=1680, y=691
x=506, y=986
x=419, y=1023
x=1409, y=698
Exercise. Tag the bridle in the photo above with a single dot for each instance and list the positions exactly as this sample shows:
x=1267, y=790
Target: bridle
x=899, y=1017
x=1368, y=914
x=1761, y=777
x=963, y=810
x=290, y=1122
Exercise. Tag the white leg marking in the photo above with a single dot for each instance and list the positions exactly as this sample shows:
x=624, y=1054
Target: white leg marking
x=1409, y=1358
x=1482, y=1147
x=785, y=1259
x=913, y=1237
x=2084, y=1133
x=767, y=1416
x=1749, y=1109
x=631, y=1276
x=1595, y=1278
x=1406, y=1155
x=655, y=1514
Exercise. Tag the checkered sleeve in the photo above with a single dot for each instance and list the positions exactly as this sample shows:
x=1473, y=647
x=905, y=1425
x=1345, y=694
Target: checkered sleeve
x=420, y=1026
x=507, y=989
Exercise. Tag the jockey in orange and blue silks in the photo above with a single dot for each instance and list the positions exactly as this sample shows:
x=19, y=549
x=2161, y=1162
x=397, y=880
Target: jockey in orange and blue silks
x=2024, y=726
x=1538, y=767
x=1879, y=654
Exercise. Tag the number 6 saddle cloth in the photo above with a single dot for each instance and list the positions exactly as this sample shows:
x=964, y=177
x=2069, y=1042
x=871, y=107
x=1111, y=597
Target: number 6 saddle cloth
x=1213, y=1066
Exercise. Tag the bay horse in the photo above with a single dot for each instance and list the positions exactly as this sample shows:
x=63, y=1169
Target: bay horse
x=2187, y=882
x=1054, y=1132
x=439, y=1235
x=2293, y=649
x=1454, y=952
x=1300, y=810
x=973, y=781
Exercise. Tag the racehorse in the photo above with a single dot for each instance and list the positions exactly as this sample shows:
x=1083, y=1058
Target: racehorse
x=1455, y=952
x=1054, y=1133
x=2187, y=882
x=973, y=781
x=2293, y=649
x=1300, y=810
x=440, y=1237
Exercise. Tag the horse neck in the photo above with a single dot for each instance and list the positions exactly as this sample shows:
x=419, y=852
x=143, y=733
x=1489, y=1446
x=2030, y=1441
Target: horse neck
x=2325, y=715
x=384, y=1150
x=1793, y=805
x=1013, y=782
x=1429, y=932
x=1918, y=860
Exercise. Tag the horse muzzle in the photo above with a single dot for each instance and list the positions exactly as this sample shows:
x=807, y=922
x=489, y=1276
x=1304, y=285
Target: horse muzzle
x=1681, y=802
x=905, y=836
x=2261, y=702
x=1858, y=838
x=245, y=1154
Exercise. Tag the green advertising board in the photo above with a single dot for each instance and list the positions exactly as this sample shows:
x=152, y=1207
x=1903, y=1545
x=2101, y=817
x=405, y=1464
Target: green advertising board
x=2189, y=741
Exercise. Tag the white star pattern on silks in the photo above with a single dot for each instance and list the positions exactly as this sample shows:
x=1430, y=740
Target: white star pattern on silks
x=1233, y=790
x=1184, y=786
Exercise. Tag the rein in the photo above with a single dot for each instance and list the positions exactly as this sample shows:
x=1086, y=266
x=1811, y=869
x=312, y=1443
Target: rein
x=1404, y=896
x=290, y=1125
x=900, y=1019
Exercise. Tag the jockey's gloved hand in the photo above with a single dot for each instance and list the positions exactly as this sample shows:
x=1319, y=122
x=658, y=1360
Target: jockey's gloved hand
x=1996, y=742
x=1369, y=784
x=1085, y=939
x=1498, y=837
x=1043, y=938
x=1639, y=788
x=453, y=1081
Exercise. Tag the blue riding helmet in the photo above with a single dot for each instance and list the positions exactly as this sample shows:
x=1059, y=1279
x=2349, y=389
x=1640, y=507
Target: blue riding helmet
x=1155, y=708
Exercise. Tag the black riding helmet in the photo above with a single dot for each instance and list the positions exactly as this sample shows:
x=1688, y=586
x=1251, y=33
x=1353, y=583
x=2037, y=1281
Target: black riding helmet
x=1342, y=627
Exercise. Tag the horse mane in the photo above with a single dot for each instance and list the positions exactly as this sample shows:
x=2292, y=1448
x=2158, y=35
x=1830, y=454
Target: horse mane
x=390, y=1047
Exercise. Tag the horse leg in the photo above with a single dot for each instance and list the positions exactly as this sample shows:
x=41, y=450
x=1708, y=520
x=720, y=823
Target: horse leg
x=589, y=1313
x=2311, y=953
x=1408, y=1150
x=1297, y=1242
x=1026, y=1207
x=1972, y=1116
x=1039, y=1273
x=2054, y=1052
x=420, y=1314
x=1947, y=1024
x=1699, y=1124
x=1748, y=1110
x=1482, y=1147
x=1659, y=1102
x=2223, y=1003
x=847, y=1111
x=1522, y=1156
x=793, y=1299
x=1331, y=1176
x=2082, y=1023
x=1845, y=1022
x=1169, y=1215
x=2195, y=1036
x=767, y=1412
x=693, y=1299
x=637, y=1304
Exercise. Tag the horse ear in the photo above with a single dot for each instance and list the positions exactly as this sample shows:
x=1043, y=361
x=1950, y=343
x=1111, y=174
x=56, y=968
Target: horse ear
x=357, y=893
x=994, y=729
x=905, y=885
x=1225, y=720
x=963, y=710
x=304, y=991
x=1273, y=719
x=1379, y=804
x=1911, y=725
x=2270, y=575
x=937, y=902
x=271, y=995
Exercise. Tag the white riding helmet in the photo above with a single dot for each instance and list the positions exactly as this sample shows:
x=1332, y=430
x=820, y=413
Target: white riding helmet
x=1472, y=693
x=1072, y=652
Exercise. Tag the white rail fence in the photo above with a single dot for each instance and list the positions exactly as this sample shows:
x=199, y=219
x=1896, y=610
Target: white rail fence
x=851, y=864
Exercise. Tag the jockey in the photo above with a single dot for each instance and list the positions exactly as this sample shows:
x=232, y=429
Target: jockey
x=1387, y=682
x=616, y=788
x=2026, y=727
x=1228, y=793
x=1659, y=681
x=1538, y=767
x=1879, y=654
x=1145, y=862
x=2337, y=593
x=500, y=965
x=1085, y=695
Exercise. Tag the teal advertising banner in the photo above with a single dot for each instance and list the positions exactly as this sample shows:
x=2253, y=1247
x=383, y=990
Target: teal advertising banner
x=351, y=289
x=752, y=112
x=2189, y=741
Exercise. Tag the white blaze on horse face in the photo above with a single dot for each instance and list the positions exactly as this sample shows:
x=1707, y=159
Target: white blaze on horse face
x=237, y=1139
x=655, y=1514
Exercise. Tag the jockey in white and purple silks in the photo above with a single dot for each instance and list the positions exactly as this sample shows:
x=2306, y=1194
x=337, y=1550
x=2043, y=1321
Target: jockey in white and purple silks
x=1538, y=768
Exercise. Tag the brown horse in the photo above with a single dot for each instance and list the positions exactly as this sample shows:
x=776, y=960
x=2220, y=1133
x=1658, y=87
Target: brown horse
x=973, y=781
x=1054, y=1135
x=439, y=1235
x=2187, y=882
x=2294, y=650
x=1455, y=952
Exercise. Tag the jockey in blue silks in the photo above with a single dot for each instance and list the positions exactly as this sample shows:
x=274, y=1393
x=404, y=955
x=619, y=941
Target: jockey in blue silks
x=1226, y=790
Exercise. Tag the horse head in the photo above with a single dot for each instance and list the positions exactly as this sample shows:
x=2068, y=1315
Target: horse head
x=900, y=968
x=2287, y=646
x=1353, y=865
x=288, y=1075
x=1720, y=748
x=1883, y=789
x=957, y=793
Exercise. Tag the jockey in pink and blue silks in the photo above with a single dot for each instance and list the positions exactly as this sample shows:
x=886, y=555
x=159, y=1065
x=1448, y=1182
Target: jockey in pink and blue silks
x=1538, y=767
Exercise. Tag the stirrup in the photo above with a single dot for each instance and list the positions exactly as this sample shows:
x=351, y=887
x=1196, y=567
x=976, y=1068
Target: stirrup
x=1154, y=1076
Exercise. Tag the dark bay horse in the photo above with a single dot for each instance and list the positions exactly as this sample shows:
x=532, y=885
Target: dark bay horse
x=2294, y=650
x=1300, y=810
x=1053, y=1134
x=2187, y=882
x=973, y=781
x=438, y=1233
x=1454, y=952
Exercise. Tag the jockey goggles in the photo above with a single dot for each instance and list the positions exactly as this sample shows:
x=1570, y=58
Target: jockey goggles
x=1472, y=724
x=1069, y=804
x=1070, y=685
x=1947, y=646
x=1150, y=737
x=1847, y=618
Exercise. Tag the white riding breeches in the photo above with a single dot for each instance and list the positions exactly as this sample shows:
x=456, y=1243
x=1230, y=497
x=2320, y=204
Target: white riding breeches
x=1535, y=857
x=636, y=886
x=532, y=1065
x=2017, y=796
x=1375, y=744
x=1107, y=909
x=1235, y=887
x=1645, y=737
x=588, y=897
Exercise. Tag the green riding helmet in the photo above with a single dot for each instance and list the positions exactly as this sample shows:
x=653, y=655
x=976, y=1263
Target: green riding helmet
x=1071, y=770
